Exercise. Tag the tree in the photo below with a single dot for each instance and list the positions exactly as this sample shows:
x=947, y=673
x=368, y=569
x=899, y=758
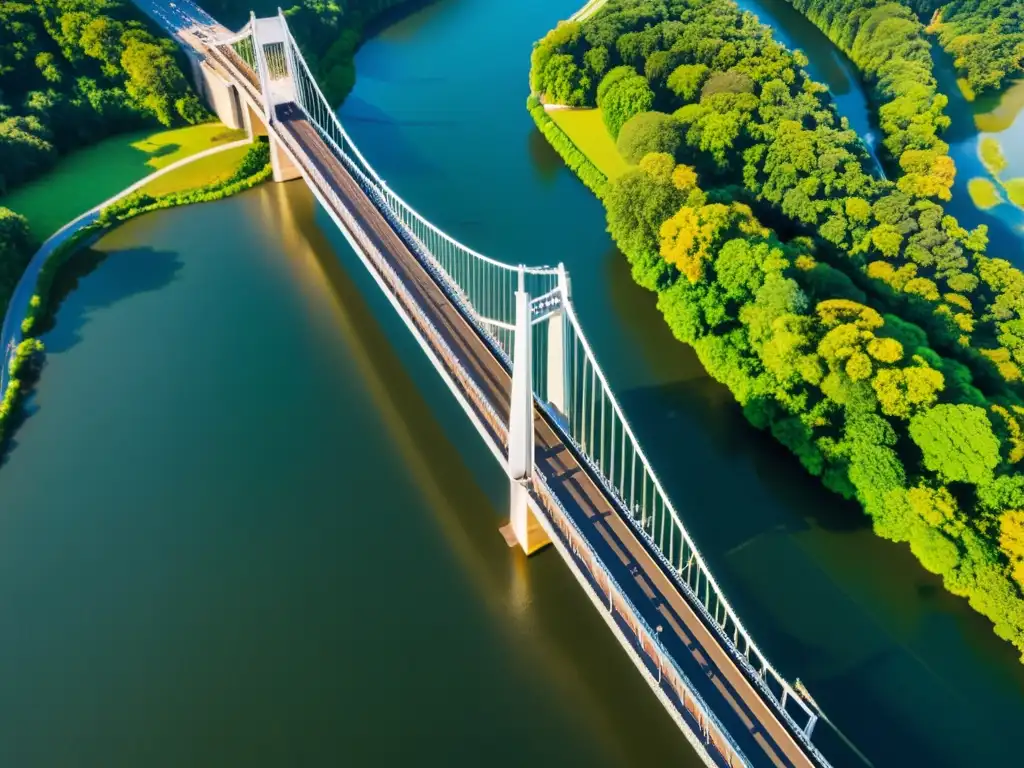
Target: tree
x=628, y=97
x=564, y=35
x=562, y=81
x=101, y=40
x=25, y=150
x=1011, y=540
x=649, y=132
x=153, y=78
x=901, y=392
x=16, y=248
x=686, y=81
x=957, y=442
x=636, y=207
x=611, y=79
x=690, y=238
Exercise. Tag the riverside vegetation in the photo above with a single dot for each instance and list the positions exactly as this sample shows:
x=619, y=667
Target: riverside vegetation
x=71, y=73
x=850, y=315
x=253, y=169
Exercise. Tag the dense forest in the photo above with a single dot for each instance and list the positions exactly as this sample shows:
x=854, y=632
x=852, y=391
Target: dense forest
x=849, y=315
x=890, y=47
x=985, y=38
x=75, y=71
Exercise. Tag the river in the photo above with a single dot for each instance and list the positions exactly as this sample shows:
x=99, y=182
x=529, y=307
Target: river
x=245, y=523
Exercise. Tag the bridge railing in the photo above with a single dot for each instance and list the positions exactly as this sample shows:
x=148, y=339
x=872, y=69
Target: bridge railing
x=487, y=286
x=603, y=437
x=592, y=421
x=688, y=701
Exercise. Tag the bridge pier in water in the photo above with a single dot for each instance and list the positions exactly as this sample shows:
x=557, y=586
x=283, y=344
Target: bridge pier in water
x=528, y=532
x=577, y=476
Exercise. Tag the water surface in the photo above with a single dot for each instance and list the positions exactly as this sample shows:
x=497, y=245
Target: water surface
x=245, y=523
x=907, y=671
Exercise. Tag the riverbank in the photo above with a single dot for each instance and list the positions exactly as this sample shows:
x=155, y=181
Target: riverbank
x=31, y=301
x=842, y=370
x=88, y=176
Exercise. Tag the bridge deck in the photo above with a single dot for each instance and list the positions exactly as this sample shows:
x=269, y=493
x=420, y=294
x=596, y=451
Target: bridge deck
x=720, y=682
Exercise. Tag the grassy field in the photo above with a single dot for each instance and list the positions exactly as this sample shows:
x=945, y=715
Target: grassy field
x=205, y=171
x=169, y=147
x=984, y=193
x=90, y=176
x=587, y=131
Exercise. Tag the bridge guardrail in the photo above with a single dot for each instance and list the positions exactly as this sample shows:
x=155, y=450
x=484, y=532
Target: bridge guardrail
x=699, y=710
x=713, y=607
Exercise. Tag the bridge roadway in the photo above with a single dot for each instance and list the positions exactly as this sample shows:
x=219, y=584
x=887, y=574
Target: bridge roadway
x=762, y=737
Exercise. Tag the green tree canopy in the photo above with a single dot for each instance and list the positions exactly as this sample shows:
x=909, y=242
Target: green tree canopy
x=649, y=132
x=957, y=442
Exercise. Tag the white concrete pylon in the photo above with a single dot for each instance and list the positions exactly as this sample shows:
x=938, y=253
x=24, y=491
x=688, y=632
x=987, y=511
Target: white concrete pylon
x=520, y=427
x=557, y=383
x=527, y=530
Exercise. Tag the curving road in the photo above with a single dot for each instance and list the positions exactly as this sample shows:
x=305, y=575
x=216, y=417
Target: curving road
x=11, y=334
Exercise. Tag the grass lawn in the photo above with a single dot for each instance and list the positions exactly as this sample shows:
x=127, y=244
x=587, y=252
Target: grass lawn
x=89, y=176
x=587, y=131
x=206, y=171
x=984, y=193
x=1015, y=191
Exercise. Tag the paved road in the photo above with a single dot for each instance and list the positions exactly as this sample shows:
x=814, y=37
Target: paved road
x=719, y=681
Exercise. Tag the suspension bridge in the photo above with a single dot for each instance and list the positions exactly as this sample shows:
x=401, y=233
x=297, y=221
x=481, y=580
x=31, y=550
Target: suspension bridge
x=508, y=343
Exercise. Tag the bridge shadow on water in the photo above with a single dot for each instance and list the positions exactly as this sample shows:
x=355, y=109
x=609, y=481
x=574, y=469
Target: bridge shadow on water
x=372, y=127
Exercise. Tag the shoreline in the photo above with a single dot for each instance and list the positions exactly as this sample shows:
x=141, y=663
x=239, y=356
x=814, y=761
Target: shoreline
x=30, y=300
x=11, y=333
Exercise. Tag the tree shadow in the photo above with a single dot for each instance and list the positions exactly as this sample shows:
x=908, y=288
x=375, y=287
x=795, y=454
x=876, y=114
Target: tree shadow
x=415, y=13
x=734, y=466
x=138, y=270
x=163, y=150
x=706, y=453
x=130, y=271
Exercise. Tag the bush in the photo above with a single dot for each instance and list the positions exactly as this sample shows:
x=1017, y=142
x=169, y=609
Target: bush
x=649, y=132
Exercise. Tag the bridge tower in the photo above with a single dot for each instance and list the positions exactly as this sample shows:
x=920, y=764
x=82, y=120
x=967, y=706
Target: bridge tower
x=557, y=390
x=526, y=529
x=274, y=66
